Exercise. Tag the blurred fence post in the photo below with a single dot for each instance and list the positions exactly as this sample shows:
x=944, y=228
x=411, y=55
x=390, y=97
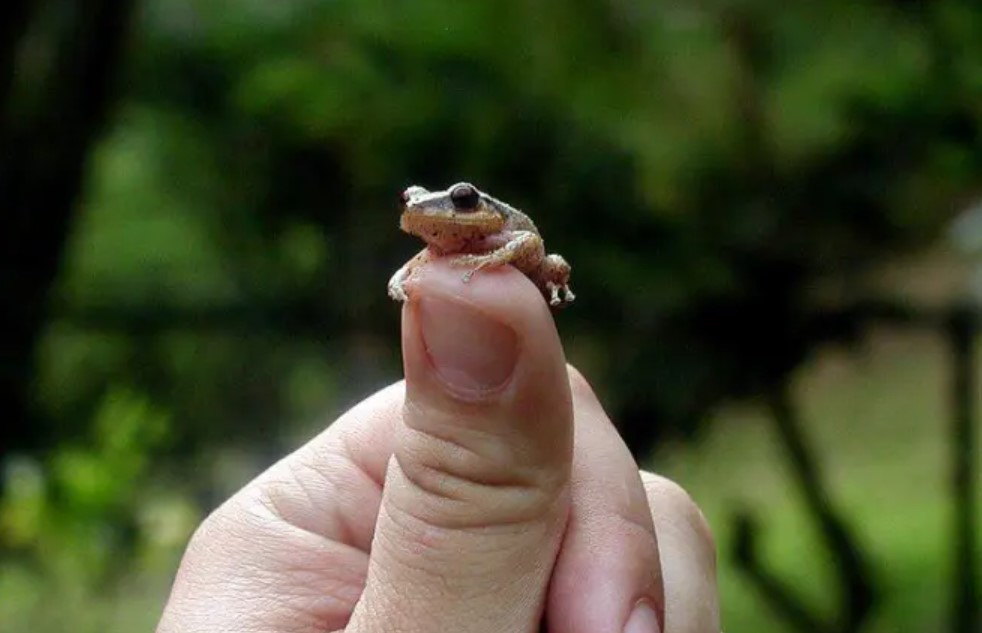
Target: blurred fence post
x=962, y=331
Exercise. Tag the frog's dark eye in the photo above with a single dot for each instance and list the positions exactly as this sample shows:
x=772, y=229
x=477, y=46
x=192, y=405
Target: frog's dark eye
x=464, y=198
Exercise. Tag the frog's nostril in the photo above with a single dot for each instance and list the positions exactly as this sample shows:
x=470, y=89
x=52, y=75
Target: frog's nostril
x=464, y=197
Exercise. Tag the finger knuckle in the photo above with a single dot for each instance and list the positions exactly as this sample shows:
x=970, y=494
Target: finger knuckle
x=577, y=381
x=453, y=478
x=669, y=499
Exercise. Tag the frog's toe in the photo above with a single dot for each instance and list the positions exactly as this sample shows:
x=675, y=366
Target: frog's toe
x=559, y=294
x=397, y=292
x=553, y=290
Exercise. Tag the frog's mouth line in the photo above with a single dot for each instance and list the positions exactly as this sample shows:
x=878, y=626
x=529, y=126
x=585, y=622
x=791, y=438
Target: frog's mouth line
x=450, y=222
x=451, y=218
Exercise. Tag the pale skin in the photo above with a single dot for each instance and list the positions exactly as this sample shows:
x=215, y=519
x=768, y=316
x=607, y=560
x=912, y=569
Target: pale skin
x=473, y=230
x=488, y=492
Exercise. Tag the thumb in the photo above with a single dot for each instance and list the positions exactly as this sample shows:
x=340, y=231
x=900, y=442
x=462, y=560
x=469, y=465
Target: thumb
x=476, y=494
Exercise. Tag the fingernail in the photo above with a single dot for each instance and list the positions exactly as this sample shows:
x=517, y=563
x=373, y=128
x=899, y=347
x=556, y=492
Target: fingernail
x=642, y=620
x=470, y=352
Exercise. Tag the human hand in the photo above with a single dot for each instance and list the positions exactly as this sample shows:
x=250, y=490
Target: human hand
x=488, y=493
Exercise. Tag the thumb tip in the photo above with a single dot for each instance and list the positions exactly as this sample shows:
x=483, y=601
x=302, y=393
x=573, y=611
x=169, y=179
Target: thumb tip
x=474, y=336
x=471, y=352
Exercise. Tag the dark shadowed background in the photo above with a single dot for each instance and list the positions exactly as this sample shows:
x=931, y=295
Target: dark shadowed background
x=773, y=213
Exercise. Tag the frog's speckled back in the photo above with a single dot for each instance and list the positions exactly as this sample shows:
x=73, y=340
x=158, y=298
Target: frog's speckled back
x=517, y=221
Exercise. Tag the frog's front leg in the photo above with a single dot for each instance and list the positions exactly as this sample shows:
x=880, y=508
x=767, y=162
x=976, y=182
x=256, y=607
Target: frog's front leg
x=401, y=276
x=524, y=250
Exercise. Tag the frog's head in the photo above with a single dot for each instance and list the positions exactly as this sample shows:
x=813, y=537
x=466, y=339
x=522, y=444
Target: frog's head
x=460, y=212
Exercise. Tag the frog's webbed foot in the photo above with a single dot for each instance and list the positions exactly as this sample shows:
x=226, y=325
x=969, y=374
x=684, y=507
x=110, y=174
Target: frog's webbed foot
x=522, y=251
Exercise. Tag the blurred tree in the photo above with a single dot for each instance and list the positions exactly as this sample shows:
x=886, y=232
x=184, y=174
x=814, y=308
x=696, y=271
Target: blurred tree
x=806, y=160
x=57, y=62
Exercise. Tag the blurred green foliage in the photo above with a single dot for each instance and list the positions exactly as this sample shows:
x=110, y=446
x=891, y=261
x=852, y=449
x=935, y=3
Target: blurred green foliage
x=90, y=514
x=711, y=170
x=724, y=177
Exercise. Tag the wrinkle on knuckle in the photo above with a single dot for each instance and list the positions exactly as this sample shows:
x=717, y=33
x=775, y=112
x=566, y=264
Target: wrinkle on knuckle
x=266, y=502
x=303, y=484
x=473, y=456
x=446, y=500
x=347, y=450
x=310, y=489
x=313, y=493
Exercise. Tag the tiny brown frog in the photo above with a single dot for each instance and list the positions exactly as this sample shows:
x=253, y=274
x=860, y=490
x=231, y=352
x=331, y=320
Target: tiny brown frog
x=477, y=231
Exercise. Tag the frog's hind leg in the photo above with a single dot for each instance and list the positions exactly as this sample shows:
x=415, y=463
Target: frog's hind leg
x=524, y=251
x=553, y=277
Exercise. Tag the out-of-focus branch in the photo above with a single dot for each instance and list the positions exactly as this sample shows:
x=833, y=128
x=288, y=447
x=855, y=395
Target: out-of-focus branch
x=961, y=324
x=855, y=577
x=963, y=330
x=856, y=589
x=778, y=594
